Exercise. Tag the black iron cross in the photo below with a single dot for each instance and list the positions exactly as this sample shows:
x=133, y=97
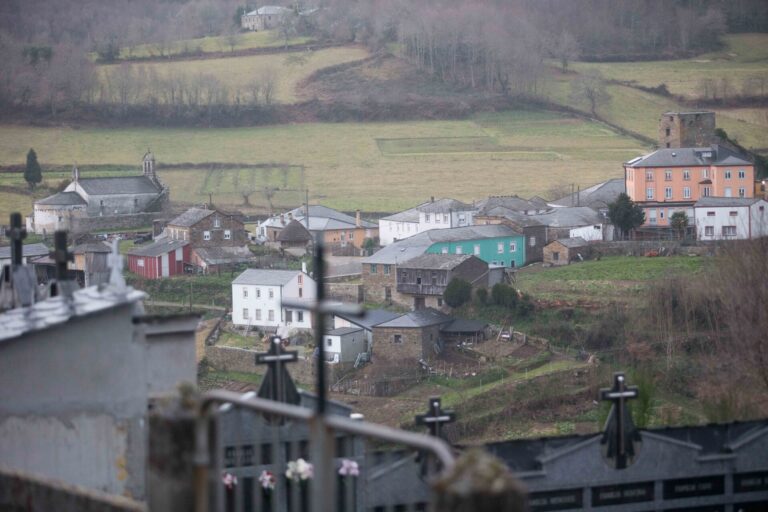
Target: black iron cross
x=61, y=255
x=435, y=417
x=17, y=234
x=619, y=425
x=275, y=358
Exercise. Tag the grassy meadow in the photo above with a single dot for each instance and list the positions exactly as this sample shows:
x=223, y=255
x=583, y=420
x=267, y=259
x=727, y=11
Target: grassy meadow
x=214, y=44
x=238, y=73
x=343, y=164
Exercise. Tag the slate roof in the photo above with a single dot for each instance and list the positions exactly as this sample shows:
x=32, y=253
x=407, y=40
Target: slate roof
x=371, y=318
x=27, y=251
x=509, y=202
x=417, y=319
x=444, y=205
x=726, y=201
x=294, y=232
x=191, y=217
x=118, y=185
x=599, y=195
x=437, y=261
x=266, y=277
x=416, y=245
x=461, y=325
x=569, y=217
x=410, y=215
x=321, y=218
x=517, y=217
x=223, y=255
x=343, y=331
x=63, y=198
x=572, y=243
x=676, y=157
x=162, y=246
x=91, y=247
x=269, y=10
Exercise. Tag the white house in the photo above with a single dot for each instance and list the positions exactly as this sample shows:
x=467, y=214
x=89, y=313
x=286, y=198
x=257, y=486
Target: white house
x=730, y=218
x=264, y=18
x=258, y=295
x=434, y=214
x=345, y=344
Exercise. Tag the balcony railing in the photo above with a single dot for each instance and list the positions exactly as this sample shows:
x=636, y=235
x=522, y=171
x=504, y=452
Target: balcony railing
x=355, y=465
x=421, y=289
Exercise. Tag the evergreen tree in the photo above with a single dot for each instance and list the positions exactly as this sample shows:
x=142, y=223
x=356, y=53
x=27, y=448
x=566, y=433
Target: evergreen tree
x=625, y=214
x=457, y=292
x=32, y=173
x=679, y=221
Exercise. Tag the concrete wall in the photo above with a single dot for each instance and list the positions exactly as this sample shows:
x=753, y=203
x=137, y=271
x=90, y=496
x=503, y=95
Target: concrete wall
x=170, y=354
x=72, y=406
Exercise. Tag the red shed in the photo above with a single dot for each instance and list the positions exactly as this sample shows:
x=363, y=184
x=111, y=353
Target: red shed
x=162, y=258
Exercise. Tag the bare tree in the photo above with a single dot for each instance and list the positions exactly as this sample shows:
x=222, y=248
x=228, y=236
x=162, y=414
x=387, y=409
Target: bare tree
x=565, y=48
x=590, y=88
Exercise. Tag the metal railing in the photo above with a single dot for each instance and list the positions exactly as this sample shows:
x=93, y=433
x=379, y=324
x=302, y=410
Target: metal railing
x=244, y=445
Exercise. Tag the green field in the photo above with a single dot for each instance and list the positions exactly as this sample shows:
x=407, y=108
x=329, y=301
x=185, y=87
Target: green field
x=344, y=167
x=235, y=73
x=244, y=41
x=610, y=280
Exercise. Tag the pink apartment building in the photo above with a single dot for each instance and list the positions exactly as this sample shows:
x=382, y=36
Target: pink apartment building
x=670, y=180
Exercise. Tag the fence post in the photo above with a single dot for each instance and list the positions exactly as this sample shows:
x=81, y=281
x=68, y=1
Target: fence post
x=479, y=482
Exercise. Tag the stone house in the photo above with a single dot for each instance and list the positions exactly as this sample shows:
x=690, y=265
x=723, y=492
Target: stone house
x=409, y=338
x=370, y=319
x=424, y=279
x=565, y=250
x=294, y=237
x=687, y=129
x=91, y=203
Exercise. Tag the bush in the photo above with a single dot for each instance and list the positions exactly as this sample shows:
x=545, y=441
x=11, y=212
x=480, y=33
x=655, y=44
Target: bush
x=504, y=295
x=457, y=293
x=482, y=296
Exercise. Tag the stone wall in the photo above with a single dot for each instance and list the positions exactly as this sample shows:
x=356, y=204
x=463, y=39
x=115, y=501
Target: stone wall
x=89, y=224
x=416, y=343
x=233, y=359
x=375, y=286
x=638, y=248
x=20, y=491
x=345, y=292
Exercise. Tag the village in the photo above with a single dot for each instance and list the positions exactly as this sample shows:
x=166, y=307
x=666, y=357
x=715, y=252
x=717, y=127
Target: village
x=383, y=256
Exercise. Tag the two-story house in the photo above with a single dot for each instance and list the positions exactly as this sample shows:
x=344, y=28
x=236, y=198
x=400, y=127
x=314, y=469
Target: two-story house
x=671, y=180
x=424, y=279
x=258, y=295
x=434, y=214
x=731, y=218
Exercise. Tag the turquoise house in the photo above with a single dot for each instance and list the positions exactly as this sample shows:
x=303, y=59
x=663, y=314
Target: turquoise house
x=497, y=245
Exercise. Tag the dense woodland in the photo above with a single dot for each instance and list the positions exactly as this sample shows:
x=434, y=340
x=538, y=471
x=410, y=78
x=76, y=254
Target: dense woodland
x=49, y=47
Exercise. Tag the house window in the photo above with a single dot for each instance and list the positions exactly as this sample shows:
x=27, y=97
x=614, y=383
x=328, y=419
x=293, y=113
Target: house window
x=661, y=214
x=206, y=235
x=729, y=230
x=444, y=250
x=439, y=303
x=271, y=293
x=710, y=214
x=329, y=342
x=374, y=269
x=511, y=263
x=652, y=216
x=140, y=262
x=245, y=293
x=301, y=292
x=709, y=231
x=742, y=174
x=258, y=293
x=733, y=214
x=245, y=313
x=728, y=192
x=668, y=175
x=288, y=316
x=727, y=174
x=500, y=248
x=271, y=315
x=217, y=222
x=742, y=192
x=426, y=217
x=462, y=218
x=299, y=316
x=258, y=314
x=668, y=193
x=445, y=218
x=512, y=246
x=686, y=175
x=649, y=193
x=301, y=279
x=459, y=249
x=477, y=250
x=648, y=175
x=706, y=192
x=397, y=338
x=227, y=234
x=555, y=256
x=532, y=241
x=667, y=132
x=705, y=173
x=386, y=270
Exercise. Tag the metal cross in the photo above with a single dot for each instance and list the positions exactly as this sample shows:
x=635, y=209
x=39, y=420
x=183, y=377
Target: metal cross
x=435, y=417
x=275, y=358
x=17, y=234
x=618, y=394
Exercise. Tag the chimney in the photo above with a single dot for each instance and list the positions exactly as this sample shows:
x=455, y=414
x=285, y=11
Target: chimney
x=432, y=199
x=282, y=219
x=304, y=267
x=357, y=218
x=290, y=216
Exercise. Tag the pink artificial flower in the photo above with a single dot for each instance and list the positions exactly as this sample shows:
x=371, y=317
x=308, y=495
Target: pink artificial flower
x=349, y=468
x=267, y=480
x=229, y=480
